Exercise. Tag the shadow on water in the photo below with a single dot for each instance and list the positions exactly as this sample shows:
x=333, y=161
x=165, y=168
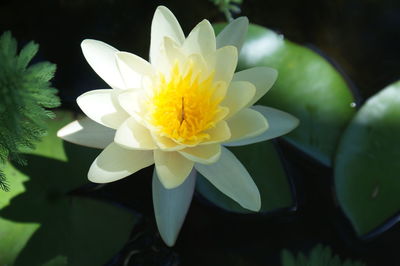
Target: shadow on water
x=70, y=226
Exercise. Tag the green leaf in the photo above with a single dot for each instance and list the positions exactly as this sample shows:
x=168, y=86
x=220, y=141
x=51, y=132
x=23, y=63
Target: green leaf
x=367, y=169
x=262, y=162
x=41, y=222
x=308, y=87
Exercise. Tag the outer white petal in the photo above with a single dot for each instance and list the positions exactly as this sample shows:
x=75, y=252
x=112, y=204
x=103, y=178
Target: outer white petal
x=88, y=133
x=201, y=39
x=115, y=162
x=133, y=135
x=164, y=24
x=231, y=178
x=280, y=123
x=234, y=33
x=172, y=168
x=247, y=123
x=133, y=68
x=102, y=107
x=262, y=78
x=204, y=154
x=238, y=95
x=101, y=57
x=171, y=206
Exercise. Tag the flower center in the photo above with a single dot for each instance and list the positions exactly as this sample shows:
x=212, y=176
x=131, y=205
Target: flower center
x=184, y=106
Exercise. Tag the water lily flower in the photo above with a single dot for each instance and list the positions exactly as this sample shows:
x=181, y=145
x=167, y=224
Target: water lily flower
x=178, y=111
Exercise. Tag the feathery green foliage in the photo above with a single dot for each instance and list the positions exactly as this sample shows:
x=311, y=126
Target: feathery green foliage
x=25, y=92
x=227, y=7
x=319, y=256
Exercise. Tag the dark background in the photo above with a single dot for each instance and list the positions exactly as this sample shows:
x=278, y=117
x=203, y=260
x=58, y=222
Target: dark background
x=362, y=37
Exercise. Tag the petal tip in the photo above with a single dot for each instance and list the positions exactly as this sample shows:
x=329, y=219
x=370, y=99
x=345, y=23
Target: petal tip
x=69, y=129
x=254, y=205
x=244, y=18
x=168, y=240
x=85, y=42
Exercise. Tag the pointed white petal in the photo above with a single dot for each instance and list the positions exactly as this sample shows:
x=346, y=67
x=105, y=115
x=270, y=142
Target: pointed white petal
x=115, y=162
x=262, y=78
x=204, y=154
x=247, y=123
x=171, y=206
x=173, y=51
x=238, y=95
x=224, y=63
x=133, y=135
x=172, y=168
x=87, y=133
x=133, y=68
x=102, y=107
x=132, y=102
x=166, y=144
x=219, y=133
x=164, y=24
x=101, y=57
x=230, y=177
x=280, y=123
x=201, y=39
x=234, y=33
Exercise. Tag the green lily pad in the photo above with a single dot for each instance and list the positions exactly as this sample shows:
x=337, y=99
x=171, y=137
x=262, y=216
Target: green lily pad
x=308, y=87
x=262, y=162
x=41, y=223
x=367, y=170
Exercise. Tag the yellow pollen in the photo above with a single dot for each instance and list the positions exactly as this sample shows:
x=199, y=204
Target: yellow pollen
x=184, y=107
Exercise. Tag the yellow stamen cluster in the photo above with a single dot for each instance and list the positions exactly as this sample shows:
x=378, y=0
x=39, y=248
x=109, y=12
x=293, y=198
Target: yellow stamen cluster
x=184, y=105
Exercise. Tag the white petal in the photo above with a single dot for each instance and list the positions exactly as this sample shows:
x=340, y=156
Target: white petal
x=204, y=154
x=280, y=123
x=238, y=95
x=115, y=162
x=219, y=133
x=234, y=33
x=133, y=135
x=133, y=68
x=232, y=179
x=88, y=133
x=172, y=168
x=224, y=63
x=102, y=107
x=262, y=78
x=101, y=57
x=171, y=206
x=131, y=101
x=166, y=144
x=164, y=24
x=173, y=52
x=201, y=40
x=246, y=124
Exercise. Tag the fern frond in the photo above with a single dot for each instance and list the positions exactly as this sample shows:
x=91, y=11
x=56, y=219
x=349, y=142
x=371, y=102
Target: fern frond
x=319, y=256
x=25, y=93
